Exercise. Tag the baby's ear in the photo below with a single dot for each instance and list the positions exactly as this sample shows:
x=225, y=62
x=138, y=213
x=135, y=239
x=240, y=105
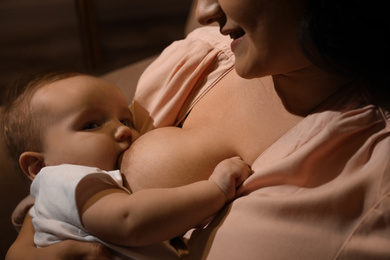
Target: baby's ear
x=31, y=163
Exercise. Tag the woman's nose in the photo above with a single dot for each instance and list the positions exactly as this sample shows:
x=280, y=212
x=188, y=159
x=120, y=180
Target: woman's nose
x=209, y=11
x=123, y=134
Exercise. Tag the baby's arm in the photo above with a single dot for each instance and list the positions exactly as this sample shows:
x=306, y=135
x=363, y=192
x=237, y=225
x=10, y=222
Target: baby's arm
x=152, y=215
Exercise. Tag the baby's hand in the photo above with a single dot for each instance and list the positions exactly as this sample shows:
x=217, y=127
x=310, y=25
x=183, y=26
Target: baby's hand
x=229, y=174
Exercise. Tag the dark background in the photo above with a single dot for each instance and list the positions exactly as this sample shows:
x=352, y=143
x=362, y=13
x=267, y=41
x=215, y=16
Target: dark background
x=41, y=35
x=44, y=34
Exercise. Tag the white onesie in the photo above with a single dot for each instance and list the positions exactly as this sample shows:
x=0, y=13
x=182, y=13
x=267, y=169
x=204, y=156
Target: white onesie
x=56, y=218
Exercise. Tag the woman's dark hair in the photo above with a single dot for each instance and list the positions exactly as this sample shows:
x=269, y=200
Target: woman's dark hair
x=351, y=37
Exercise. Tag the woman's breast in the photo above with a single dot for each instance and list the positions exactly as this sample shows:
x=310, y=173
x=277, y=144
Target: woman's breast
x=172, y=156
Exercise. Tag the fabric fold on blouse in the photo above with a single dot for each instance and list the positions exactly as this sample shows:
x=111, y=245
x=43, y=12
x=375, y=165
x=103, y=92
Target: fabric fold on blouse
x=183, y=73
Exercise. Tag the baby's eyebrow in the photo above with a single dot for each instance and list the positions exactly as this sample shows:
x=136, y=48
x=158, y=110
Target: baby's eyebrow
x=85, y=114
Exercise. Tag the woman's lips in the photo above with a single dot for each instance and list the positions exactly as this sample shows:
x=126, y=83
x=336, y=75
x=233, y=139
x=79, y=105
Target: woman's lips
x=235, y=43
x=236, y=34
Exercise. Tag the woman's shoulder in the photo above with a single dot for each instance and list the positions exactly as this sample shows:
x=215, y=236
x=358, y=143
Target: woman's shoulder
x=202, y=48
x=179, y=77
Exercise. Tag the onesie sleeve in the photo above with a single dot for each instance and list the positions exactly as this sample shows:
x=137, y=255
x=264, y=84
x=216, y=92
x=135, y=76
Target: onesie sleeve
x=55, y=215
x=180, y=76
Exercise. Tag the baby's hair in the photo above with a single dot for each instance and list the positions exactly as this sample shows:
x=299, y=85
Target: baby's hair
x=21, y=129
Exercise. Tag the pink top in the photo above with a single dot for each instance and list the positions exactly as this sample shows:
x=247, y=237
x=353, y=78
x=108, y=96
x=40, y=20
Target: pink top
x=322, y=191
x=178, y=79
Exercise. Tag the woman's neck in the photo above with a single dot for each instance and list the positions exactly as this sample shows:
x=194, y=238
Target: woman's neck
x=305, y=90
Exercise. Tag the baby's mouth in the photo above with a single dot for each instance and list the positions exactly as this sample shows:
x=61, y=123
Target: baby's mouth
x=120, y=158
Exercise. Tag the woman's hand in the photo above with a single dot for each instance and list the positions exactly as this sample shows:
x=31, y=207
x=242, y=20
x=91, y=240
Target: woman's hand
x=24, y=247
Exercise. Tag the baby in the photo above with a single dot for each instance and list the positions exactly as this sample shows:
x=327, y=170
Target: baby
x=68, y=132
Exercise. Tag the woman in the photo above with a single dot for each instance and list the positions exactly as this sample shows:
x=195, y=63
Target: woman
x=304, y=105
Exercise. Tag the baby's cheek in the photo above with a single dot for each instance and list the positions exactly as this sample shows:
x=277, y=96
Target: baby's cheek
x=101, y=154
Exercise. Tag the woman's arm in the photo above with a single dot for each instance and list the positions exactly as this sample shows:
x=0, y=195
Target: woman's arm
x=153, y=215
x=24, y=248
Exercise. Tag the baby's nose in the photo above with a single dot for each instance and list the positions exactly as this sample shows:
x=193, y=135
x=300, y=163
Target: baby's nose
x=123, y=134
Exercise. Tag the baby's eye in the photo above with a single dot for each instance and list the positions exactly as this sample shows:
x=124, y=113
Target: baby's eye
x=125, y=122
x=91, y=126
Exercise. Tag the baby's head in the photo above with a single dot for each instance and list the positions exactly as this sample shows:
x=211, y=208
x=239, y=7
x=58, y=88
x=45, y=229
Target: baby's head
x=67, y=118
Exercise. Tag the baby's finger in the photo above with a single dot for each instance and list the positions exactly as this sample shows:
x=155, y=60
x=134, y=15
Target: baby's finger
x=244, y=172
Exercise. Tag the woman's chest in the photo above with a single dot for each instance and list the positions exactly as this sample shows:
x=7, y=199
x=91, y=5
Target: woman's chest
x=240, y=117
